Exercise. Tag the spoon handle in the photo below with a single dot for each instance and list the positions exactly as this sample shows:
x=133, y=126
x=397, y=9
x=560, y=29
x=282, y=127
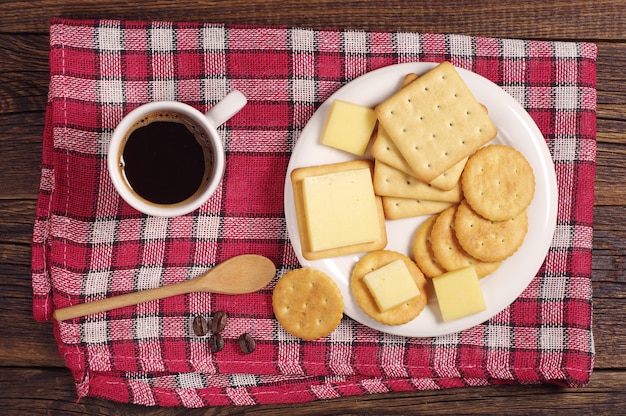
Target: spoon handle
x=127, y=299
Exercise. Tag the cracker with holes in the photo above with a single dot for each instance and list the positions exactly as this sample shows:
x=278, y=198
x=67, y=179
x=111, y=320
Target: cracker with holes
x=423, y=252
x=385, y=150
x=307, y=303
x=396, y=207
x=408, y=78
x=447, y=250
x=489, y=240
x=450, y=178
x=498, y=182
x=435, y=122
x=371, y=273
x=389, y=181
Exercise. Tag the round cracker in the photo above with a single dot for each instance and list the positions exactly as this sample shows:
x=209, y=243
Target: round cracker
x=498, y=182
x=401, y=314
x=423, y=252
x=449, y=252
x=489, y=240
x=307, y=303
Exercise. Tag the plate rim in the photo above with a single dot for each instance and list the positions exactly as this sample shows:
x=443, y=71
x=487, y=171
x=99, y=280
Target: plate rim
x=549, y=182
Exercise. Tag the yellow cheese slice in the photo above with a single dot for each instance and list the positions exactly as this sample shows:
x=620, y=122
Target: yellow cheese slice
x=391, y=285
x=349, y=127
x=459, y=293
x=340, y=209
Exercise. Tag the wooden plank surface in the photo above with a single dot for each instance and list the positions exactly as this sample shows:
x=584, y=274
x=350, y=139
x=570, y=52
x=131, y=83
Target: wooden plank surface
x=33, y=379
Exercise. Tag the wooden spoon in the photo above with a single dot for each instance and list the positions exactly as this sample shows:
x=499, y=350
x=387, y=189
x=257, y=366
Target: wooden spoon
x=240, y=274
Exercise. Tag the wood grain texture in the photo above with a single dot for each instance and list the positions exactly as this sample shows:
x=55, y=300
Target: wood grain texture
x=33, y=379
x=508, y=18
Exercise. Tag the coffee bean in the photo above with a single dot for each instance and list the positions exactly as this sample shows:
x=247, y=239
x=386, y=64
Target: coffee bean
x=200, y=326
x=216, y=343
x=246, y=343
x=219, y=322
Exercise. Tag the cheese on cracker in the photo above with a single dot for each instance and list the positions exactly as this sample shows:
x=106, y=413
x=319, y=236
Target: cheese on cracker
x=435, y=122
x=400, y=314
x=391, y=285
x=340, y=209
x=337, y=210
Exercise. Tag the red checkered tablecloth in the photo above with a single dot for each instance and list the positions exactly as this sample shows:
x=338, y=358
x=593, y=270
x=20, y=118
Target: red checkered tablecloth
x=88, y=244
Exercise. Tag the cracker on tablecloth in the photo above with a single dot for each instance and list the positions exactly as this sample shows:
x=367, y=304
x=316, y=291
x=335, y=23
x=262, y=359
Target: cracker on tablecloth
x=307, y=303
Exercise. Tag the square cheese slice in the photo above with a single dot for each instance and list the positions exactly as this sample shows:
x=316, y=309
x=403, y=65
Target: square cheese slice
x=391, y=285
x=340, y=209
x=297, y=177
x=459, y=293
x=349, y=127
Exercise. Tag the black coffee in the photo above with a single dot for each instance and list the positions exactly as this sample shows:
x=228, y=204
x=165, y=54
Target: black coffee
x=163, y=160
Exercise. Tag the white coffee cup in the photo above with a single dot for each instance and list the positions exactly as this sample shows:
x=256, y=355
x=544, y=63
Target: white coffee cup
x=131, y=146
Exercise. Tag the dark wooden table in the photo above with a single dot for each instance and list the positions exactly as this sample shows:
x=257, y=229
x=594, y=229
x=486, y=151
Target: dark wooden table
x=33, y=379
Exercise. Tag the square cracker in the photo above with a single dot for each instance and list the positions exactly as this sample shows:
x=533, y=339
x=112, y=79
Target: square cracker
x=385, y=150
x=297, y=176
x=389, y=181
x=397, y=207
x=435, y=122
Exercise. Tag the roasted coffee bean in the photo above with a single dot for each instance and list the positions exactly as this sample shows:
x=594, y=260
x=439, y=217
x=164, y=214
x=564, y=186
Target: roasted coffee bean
x=219, y=322
x=200, y=326
x=216, y=343
x=246, y=343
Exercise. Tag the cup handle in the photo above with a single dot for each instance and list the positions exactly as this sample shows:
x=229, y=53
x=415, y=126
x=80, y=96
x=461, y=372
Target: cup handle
x=226, y=108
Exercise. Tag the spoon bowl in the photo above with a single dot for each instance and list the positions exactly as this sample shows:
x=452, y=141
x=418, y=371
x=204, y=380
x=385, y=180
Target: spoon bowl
x=240, y=274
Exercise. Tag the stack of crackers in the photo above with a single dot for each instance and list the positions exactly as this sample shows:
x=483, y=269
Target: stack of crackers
x=425, y=134
x=488, y=225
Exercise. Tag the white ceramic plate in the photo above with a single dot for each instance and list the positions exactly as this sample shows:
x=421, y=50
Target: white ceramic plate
x=515, y=128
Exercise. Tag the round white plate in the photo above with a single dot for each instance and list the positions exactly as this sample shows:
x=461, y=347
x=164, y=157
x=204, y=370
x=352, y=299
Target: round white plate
x=515, y=128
